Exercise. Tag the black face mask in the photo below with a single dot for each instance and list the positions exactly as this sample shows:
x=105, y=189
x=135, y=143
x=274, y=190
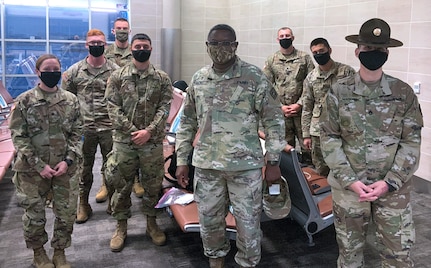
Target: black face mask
x=285, y=43
x=323, y=58
x=141, y=55
x=50, y=79
x=96, y=51
x=373, y=60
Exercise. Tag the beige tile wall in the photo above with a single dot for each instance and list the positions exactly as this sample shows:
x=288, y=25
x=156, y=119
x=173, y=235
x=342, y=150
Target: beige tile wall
x=257, y=21
x=146, y=17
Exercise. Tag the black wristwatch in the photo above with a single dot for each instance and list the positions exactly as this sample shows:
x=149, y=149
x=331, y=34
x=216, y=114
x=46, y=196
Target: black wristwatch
x=391, y=188
x=68, y=161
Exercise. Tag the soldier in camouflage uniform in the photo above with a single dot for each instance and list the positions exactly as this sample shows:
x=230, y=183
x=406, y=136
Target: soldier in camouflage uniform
x=120, y=53
x=139, y=97
x=87, y=80
x=226, y=102
x=46, y=130
x=287, y=69
x=370, y=135
x=316, y=85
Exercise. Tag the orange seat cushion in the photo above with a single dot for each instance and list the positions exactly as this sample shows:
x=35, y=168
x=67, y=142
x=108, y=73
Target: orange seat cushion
x=318, y=184
x=325, y=206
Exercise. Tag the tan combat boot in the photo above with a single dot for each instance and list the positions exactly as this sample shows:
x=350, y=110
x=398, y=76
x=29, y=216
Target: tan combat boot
x=117, y=240
x=102, y=194
x=158, y=237
x=137, y=188
x=84, y=209
x=217, y=262
x=59, y=259
x=40, y=259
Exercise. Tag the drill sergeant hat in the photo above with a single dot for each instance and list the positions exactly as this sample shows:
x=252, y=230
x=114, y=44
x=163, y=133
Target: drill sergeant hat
x=375, y=33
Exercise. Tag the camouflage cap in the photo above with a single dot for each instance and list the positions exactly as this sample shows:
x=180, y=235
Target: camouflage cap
x=277, y=206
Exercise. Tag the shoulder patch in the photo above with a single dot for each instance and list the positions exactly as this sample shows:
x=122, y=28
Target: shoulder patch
x=273, y=93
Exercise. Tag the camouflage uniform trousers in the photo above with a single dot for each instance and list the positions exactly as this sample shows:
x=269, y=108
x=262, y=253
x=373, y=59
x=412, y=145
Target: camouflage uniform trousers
x=317, y=157
x=214, y=191
x=31, y=190
x=89, y=149
x=293, y=131
x=392, y=216
x=120, y=170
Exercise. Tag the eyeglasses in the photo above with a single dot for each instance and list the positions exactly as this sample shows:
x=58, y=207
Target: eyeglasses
x=222, y=43
x=96, y=43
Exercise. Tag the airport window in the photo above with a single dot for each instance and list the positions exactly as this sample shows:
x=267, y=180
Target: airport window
x=30, y=28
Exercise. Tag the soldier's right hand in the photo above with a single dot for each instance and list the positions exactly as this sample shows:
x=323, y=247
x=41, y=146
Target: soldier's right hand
x=47, y=172
x=182, y=175
x=272, y=174
x=365, y=193
x=307, y=143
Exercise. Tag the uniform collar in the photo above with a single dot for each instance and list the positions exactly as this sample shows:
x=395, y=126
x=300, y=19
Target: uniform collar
x=292, y=56
x=149, y=71
x=88, y=66
x=362, y=89
x=328, y=73
x=49, y=97
x=233, y=72
x=118, y=50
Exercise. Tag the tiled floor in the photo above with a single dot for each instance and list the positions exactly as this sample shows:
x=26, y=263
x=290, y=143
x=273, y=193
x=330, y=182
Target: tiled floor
x=284, y=243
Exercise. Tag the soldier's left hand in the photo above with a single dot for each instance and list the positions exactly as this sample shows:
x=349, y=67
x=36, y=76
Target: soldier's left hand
x=292, y=110
x=379, y=188
x=307, y=143
x=288, y=148
x=140, y=137
x=365, y=192
x=60, y=169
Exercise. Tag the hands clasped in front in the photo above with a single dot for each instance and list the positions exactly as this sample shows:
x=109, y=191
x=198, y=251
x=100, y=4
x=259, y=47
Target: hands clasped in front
x=369, y=193
x=58, y=170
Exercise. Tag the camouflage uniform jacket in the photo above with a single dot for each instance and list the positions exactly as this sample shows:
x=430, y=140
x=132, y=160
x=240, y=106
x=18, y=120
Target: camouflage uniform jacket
x=90, y=90
x=227, y=109
x=121, y=56
x=138, y=101
x=371, y=135
x=316, y=85
x=46, y=129
x=287, y=73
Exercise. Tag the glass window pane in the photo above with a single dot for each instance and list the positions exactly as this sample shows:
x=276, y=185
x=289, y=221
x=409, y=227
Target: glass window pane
x=70, y=3
x=26, y=2
x=104, y=21
x=1, y=61
x=17, y=85
x=17, y=52
x=21, y=64
x=69, y=53
x=65, y=23
x=21, y=61
x=18, y=20
x=110, y=4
